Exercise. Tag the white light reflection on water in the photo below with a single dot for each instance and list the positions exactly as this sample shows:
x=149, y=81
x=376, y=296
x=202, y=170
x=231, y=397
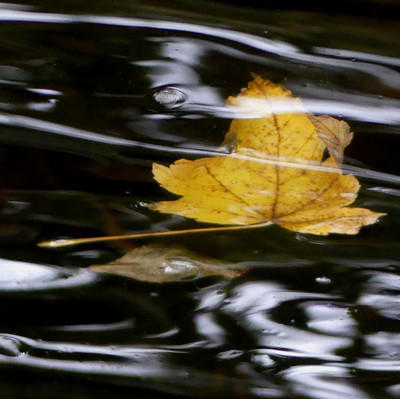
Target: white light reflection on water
x=208, y=327
x=358, y=55
x=74, y=133
x=387, y=191
x=384, y=345
x=328, y=318
x=23, y=276
x=122, y=360
x=376, y=365
x=137, y=365
x=378, y=112
x=252, y=304
x=328, y=381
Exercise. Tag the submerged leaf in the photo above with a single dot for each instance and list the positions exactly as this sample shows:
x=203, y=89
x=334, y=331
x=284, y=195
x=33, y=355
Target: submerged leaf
x=275, y=175
x=158, y=264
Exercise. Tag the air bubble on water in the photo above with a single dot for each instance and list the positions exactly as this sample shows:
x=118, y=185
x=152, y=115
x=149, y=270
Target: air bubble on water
x=169, y=97
x=323, y=280
x=179, y=267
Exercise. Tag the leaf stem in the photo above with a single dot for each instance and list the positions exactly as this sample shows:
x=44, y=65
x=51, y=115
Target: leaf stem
x=77, y=241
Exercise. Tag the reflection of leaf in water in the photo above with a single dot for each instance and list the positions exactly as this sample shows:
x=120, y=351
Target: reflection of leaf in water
x=157, y=263
x=275, y=173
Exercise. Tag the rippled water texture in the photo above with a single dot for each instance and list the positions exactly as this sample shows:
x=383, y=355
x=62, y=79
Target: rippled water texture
x=91, y=94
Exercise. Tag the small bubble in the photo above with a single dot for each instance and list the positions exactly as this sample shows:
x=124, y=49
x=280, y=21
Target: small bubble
x=169, y=97
x=233, y=181
x=323, y=280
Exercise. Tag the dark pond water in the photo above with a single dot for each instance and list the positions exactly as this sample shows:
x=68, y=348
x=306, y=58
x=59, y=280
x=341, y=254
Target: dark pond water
x=91, y=94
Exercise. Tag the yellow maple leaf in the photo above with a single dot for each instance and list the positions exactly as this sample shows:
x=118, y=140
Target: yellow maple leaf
x=275, y=175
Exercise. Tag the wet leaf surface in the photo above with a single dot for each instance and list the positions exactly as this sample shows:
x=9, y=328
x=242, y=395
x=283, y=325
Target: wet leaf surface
x=275, y=175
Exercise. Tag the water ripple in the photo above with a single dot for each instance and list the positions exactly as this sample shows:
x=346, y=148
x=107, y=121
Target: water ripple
x=313, y=317
x=23, y=276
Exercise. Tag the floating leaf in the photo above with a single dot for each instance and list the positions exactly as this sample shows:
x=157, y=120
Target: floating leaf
x=274, y=174
x=157, y=263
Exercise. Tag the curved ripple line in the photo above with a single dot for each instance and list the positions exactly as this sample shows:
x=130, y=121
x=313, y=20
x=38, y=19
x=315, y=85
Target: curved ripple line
x=23, y=276
x=141, y=365
x=359, y=55
x=67, y=131
x=56, y=128
x=273, y=46
x=374, y=66
x=380, y=113
x=35, y=124
x=281, y=48
x=71, y=347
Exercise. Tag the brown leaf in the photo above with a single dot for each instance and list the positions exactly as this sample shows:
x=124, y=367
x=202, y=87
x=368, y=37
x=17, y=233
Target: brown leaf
x=334, y=133
x=158, y=264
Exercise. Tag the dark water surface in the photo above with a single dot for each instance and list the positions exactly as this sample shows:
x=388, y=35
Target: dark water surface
x=91, y=94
